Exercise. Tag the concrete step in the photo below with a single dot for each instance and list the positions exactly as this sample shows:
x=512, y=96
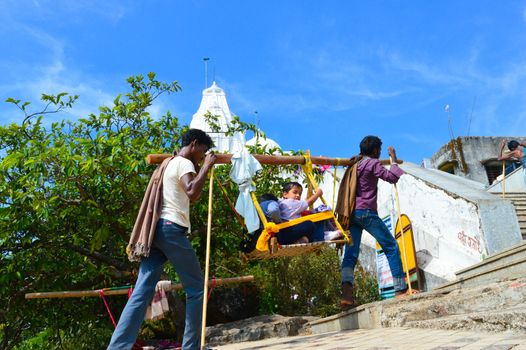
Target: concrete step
x=504, y=265
x=515, y=194
x=504, y=301
x=512, y=319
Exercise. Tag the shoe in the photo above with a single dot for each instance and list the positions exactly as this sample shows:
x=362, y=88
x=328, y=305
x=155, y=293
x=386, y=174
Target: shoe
x=332, y=235
x=347, y=302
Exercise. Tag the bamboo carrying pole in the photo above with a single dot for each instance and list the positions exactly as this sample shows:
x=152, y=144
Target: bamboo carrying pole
x=122, y=291
x=402, y=234
x=271, y=159
x=207, y=259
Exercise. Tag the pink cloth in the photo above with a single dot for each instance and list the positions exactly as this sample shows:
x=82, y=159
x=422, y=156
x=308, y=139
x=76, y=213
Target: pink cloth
x=159, y=305
x=369, y=171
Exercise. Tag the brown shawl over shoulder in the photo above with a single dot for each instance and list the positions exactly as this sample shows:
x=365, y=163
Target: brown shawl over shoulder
x=146, y=222
x=347, y=193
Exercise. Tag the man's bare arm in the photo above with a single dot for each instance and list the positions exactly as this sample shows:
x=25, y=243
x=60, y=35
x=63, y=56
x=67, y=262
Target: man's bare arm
x=193, y=184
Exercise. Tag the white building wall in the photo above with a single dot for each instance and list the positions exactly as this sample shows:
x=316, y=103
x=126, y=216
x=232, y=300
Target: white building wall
x=456, y=223
x=446, y=230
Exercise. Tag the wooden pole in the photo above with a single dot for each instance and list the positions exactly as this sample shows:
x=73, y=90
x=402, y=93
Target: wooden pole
x=109, y=291
x=503, y=178
x=270, y=159
x=402, y=235
x=207, y=259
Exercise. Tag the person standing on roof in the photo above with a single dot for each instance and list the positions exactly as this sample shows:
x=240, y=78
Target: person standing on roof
x=515, y=153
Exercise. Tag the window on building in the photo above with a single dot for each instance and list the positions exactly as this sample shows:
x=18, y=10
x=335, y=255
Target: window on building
x=448, y=167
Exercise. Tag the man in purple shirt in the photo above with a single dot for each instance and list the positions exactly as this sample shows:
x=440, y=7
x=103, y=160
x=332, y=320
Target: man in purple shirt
x=365, y=217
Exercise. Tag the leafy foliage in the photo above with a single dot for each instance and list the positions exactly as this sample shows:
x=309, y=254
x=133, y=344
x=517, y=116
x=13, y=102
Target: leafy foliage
x=69, y=194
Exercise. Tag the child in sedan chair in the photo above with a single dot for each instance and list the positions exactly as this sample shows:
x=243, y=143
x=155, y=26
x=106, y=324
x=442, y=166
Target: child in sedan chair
x=291, y=206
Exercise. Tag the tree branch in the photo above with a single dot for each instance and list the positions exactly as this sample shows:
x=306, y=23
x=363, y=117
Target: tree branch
x=122, y=267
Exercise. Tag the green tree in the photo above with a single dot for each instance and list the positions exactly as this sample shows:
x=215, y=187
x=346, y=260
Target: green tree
x=69, y=195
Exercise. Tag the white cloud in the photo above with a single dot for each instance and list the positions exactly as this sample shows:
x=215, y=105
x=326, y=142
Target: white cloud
x=48, y=72
x=52, y=76
x=62, y=10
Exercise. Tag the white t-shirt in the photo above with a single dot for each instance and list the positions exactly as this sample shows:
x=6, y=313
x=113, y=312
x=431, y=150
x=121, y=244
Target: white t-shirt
x=176, y=204
x=292, y=208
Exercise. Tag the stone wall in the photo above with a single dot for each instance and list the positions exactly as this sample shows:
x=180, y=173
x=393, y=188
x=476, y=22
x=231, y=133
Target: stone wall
x=476, y=150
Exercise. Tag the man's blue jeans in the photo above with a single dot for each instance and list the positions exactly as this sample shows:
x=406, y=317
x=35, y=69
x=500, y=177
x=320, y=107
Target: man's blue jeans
x=170, y=243
x=365, y=219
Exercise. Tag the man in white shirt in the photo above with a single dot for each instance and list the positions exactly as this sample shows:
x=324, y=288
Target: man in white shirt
x=182, y=183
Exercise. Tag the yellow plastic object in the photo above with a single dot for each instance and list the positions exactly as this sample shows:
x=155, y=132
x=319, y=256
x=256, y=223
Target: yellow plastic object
x=271, y=228
x=307, y=168
x=408, y=241
x=407, y=236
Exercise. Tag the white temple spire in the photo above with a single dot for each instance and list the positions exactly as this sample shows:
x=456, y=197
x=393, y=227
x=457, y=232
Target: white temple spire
x=214, y=101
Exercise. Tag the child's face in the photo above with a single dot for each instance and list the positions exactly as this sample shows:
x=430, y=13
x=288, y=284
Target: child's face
x=293, y=193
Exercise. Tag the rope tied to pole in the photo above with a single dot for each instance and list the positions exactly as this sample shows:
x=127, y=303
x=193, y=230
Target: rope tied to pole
x=101, y=293
x=213, y=284
x=338, y=161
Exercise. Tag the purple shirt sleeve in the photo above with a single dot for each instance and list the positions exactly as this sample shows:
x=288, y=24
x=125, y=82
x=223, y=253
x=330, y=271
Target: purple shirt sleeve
x=369, y=171
x=390, y=175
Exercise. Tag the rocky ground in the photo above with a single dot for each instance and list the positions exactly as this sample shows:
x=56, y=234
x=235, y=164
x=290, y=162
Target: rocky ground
x=495, y=307
x=258, y=328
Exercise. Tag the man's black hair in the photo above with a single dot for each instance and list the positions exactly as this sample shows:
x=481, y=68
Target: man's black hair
x=196, y=134
x=512, y=145
x=290, y=185
x=369, y=144
x=268, y=197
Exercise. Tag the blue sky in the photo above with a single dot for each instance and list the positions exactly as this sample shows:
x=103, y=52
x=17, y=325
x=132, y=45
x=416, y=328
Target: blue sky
x=320, y=74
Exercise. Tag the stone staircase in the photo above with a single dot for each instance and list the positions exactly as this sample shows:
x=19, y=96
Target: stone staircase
x=519, y=201
x=488, y=296
x=506, y=265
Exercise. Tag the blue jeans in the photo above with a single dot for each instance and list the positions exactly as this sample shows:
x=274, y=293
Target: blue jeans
x=291, y=234
x=365, y=219
x=170, y=243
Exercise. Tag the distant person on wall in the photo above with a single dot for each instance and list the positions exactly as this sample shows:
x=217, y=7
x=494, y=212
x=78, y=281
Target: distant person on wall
x=363, y=215
x=515, y=154
x=159, y=235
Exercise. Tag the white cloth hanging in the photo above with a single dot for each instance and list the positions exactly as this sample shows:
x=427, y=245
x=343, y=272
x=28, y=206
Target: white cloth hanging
x=244, y=167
